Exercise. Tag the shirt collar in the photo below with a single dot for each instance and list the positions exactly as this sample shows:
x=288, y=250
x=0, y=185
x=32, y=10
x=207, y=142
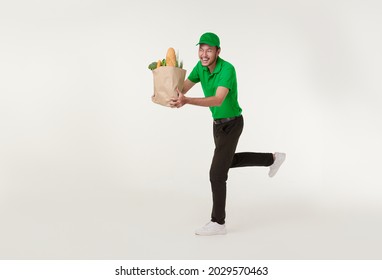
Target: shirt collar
x=218, y=66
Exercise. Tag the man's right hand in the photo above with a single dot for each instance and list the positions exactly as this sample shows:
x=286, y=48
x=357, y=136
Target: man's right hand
x=178, y=102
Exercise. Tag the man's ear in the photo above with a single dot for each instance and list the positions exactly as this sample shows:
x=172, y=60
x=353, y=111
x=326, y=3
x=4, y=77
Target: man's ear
x=218, y=52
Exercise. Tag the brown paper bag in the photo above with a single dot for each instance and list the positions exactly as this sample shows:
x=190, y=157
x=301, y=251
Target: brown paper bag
x=166, y=80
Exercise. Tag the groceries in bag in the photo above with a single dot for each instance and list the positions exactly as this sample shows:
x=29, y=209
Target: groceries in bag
x=168, y=75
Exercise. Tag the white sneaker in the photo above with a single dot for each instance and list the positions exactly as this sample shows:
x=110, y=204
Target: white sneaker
x=279, y=159
x=211, y=228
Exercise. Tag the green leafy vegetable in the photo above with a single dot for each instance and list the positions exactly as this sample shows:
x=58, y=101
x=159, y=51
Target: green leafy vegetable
x=153, y=65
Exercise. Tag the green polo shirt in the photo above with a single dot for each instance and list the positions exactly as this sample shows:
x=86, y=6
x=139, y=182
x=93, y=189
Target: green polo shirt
x=224, y=75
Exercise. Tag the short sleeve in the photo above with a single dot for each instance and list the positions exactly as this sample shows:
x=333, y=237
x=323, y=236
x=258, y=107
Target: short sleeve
x=227, y=77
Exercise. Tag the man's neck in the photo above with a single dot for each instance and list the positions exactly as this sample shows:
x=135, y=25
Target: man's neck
x=212, y=67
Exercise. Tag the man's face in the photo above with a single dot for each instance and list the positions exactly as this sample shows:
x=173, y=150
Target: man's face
x=208, y=54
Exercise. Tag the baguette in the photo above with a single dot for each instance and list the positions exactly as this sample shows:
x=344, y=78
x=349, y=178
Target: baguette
x=171, y=57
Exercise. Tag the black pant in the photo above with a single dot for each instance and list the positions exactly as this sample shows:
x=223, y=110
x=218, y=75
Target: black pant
x=226, y=137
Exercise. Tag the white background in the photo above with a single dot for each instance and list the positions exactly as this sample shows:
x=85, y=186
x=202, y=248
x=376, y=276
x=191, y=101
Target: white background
x=90, y=168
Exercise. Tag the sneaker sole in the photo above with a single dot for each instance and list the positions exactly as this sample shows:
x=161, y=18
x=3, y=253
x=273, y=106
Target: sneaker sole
x=220, y=232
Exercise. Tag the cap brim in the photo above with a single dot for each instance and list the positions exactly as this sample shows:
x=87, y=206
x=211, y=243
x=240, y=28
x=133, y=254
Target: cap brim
x=207, y=43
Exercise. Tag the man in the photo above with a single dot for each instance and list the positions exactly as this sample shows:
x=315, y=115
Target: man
x=218, y=80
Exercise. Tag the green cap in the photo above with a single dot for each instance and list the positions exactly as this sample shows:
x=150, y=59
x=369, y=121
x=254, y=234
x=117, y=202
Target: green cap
x=209, y=39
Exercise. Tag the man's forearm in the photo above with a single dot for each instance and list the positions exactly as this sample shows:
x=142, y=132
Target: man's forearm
x=211, y=101
x=187, y=86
